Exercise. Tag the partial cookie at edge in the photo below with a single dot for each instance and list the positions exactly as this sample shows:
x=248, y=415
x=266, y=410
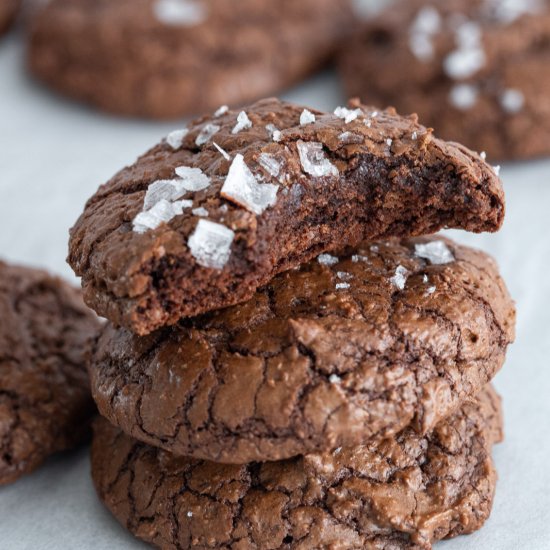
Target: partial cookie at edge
x=45, y=401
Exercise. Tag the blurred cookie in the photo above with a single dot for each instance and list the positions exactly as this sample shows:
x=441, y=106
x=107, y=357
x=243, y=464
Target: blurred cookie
x=169, y=58
x=8, y=11
x=45, y=402
x=218, y=209
x=475, y=70
x=331, y=354
x=402, y=493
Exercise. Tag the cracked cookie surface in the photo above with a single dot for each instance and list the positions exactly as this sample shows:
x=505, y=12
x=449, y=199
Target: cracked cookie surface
x=45, y=402
x=469, y=68
x=388, y=335
x=169, y=58
x=205, y=218
x=401, y=493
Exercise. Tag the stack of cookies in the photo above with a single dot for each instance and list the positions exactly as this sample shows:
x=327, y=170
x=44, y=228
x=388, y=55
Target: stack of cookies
x=289, y=362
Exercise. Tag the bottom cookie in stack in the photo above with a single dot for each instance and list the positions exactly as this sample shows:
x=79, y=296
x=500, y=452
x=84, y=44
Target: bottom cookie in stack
x=400, y=492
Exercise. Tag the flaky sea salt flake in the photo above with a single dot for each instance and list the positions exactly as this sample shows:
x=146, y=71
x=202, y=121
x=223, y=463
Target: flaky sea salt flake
x=210, y=244
x=347, y=115
x=206, y=134
x=512, y=101
x=243, y=123
x=334, y=379
x=169, y=190
x=221, y=111
x=242, y=188
x=463, y=96
x=187, y=13
x=223, y=152
x=192, y=179
x=270, y=164
x=200, y=211
x=327, y=259
x=175, y=138
x=307, y=117
x=436, y=252
x=162, y=212
x=400, y=278
x=313, y=159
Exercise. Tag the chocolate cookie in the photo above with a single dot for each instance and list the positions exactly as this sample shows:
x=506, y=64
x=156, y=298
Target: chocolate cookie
x=475, y=70
x=400, y=493
x=168, y=58
x=45, y=402
x=8, y=11
x=332, y=354
x=215, y=211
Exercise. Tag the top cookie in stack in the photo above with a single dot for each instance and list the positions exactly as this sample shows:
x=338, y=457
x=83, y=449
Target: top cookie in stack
x=218, y=209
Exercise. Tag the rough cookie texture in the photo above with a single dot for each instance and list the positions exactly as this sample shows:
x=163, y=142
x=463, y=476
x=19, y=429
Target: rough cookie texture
x=8, y=11
x=148, y=255
x=45, y=402
x=168, y=58
x=328, y=355
x=475, y=70
x=400, y=493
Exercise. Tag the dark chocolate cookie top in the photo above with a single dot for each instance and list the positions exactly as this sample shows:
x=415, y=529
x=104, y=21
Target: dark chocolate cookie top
x=45, y=402
x=218, y=209
x=341, y=350
x=401, y=493
x=475, y=70
x=169, y=58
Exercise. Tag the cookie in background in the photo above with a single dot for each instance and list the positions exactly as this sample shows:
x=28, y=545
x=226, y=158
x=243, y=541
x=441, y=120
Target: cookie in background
x=169, y=58
x=475, y=70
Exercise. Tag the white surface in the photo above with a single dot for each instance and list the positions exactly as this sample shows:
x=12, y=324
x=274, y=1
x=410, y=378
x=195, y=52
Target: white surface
x=54, y=154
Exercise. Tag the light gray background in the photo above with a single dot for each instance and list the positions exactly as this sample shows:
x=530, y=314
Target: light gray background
x=54, y=154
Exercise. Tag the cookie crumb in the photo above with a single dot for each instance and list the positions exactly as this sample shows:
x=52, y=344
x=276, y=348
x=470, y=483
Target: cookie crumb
x=242, y=188
x=210, y=244
x=436, y=252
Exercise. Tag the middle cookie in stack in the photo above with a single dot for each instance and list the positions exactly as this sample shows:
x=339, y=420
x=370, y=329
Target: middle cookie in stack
x=343, y=349
x=319, y=398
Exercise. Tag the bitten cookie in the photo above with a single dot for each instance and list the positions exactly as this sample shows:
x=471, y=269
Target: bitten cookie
x=332, y=354
x=475, y=70
x=215, y=211
x=401, y=493
x=45, y=402
x=169, y=58
x=8, y=11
